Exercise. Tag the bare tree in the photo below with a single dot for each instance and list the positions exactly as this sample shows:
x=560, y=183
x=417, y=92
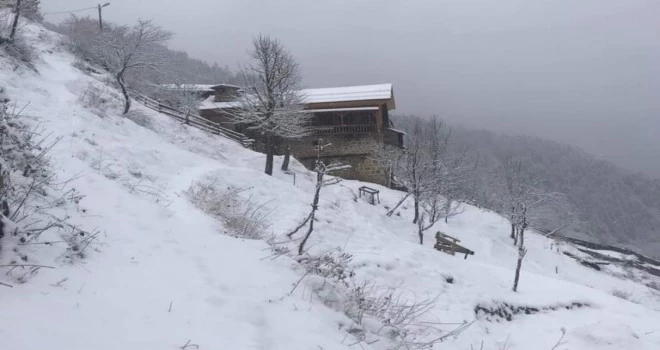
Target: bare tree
x=273, y=104
x=432, y=214
x=321, y=170
x=125, y=49
x=430, y=168
x=185, y=97
x=521, y=225
x=524, y=200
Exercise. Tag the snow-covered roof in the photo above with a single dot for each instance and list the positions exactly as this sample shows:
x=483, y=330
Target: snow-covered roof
x=209, y=103
x=197, y=87
x=348, y=93
x=397, y=131
x=328, y=95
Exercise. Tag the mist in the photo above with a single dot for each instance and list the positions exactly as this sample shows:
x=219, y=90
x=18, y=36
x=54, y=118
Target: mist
x=585, y=73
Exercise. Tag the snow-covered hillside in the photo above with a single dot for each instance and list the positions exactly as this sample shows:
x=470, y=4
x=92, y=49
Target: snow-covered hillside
x=164, y=274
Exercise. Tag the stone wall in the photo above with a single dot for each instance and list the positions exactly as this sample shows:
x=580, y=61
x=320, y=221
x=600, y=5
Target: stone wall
x=363, y=168
x=357, y=150
x=342, y=145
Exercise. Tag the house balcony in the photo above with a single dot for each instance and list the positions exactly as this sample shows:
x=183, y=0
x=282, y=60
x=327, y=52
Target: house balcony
x=343, y=129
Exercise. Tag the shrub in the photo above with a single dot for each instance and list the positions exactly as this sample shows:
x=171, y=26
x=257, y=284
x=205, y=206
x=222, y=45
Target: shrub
x=621, y=294
x=28, y=200
x=21, y=50
x=243, y=218
x=99, y=98
x=333, y=264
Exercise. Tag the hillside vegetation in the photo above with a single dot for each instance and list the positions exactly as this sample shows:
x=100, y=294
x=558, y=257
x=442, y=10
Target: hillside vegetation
x=609, y=204
x=156, y=235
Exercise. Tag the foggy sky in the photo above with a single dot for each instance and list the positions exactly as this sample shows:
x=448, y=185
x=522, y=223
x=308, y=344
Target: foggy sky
x=583, y=72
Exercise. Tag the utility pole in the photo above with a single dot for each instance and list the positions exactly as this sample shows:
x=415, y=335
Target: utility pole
x=15, y=24
x=101, y=16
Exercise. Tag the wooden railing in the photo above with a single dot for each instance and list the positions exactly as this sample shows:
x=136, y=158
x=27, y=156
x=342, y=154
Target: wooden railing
x=194, y=120
x=343, y=129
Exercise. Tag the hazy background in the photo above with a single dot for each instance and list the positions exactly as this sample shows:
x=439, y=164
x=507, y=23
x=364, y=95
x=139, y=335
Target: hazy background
x=583, y=72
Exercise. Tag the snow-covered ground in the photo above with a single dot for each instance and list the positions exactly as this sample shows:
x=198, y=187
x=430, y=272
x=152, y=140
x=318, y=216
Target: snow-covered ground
x=164, y=272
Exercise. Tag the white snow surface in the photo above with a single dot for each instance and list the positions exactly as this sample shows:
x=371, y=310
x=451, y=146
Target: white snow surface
x=197, y=87
x=348, y=93
x=324, y=95
x=227, y=293
x=209, y=103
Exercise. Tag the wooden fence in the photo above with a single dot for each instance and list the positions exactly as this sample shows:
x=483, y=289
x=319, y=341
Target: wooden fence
x=194, y=120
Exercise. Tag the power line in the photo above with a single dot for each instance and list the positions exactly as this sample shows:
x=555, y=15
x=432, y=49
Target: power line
x=72, y=11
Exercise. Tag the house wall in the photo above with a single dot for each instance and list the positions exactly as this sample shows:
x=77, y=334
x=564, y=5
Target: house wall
x=225, y=94
x=220, y=117
x=358, y=150
x=342, y=145
x=363, y=168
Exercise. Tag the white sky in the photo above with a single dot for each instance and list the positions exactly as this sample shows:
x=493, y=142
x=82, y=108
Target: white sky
x=584, y=72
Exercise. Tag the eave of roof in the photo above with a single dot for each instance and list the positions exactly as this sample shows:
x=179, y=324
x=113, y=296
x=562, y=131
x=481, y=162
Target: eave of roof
x=382, y=92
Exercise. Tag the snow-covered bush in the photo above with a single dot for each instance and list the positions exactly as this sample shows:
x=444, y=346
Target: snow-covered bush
x=387, y=312
x=30, y=9
x=21, y=50
x=621, y=294
x=242, y=217
x=99, y=98
x=333, y=264
x=32, y=206
x=16, y=47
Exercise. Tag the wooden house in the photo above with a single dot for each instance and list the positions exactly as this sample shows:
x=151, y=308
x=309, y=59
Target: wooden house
x=354, y=119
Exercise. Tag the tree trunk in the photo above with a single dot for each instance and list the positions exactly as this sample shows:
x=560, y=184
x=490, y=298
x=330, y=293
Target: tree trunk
x=270, y=155
x=521, y=255
x=122, y=86
x=389, y=213
x=315, y=205
x=516, y=234
x=513, y=232
x=287, y=158
x=416, y=197
x=14, y=25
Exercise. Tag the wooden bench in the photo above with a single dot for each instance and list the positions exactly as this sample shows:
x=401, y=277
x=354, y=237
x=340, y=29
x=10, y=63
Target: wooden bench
x=448, y=244
x=374, y=194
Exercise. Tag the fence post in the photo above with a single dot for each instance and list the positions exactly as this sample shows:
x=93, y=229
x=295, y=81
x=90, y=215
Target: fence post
x=187, y=118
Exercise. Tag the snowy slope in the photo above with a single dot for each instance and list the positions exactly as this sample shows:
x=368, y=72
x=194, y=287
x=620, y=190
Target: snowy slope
x=165, y=273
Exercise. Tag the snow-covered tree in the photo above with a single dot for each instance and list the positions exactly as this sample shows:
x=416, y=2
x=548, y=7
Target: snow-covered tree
x=185, y=97
x=123, y=50
x=29, y=8
x=273, y=102
x=524, y=200
x=321, y=170
x=431, y=168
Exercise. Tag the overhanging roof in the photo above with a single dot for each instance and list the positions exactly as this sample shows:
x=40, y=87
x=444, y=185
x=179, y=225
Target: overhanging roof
x=354, y=109
x=198, y=87
x=350, y=93
x=383, y=93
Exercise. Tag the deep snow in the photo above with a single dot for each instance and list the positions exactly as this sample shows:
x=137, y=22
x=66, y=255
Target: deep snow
x=158, y=250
